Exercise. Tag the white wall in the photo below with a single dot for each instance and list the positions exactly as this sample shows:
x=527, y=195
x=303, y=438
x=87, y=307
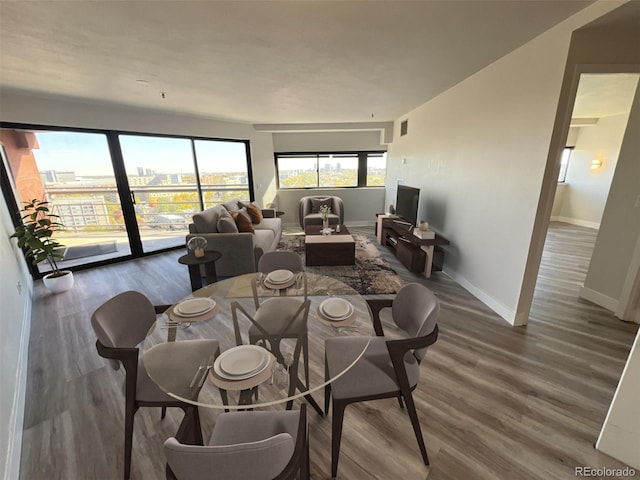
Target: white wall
x=327, y=141
x=620, y=435
x=620, y=226
x=360, y=204
x=478, y=152
x=15, y=320
x=586, y=194
x=47, y=111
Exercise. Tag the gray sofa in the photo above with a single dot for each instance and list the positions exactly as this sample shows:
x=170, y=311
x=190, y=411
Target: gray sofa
x=240, y=251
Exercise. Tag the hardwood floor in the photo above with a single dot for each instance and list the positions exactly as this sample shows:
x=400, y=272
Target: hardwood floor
x=495, y=402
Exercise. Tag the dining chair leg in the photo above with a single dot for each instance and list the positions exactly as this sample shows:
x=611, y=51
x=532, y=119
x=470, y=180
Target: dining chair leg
x=327, y=388
x=400, y=401
x=415, y=423
x=197, y=427
x=305, y=354
x=128, y=439
x=164, y=413
x=304, y=466
x=337, y=416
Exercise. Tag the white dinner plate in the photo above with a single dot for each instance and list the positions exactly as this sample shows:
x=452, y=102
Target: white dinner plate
x=194, y=307
x=336, y=308
x=242, y=361
x=279, y=276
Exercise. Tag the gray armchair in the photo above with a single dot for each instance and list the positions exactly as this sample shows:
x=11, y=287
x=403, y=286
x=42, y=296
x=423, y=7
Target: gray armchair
x=309, y=210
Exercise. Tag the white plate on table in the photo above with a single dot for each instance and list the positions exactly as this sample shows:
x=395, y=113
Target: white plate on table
x=278, y=277
x=242, y=362
x=194, y=307
x=336, y=309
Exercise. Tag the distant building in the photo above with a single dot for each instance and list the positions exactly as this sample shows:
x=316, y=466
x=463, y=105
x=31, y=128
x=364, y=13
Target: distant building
x=81, y=211
x=140, y=181
x=140, y=171
x=48, y=176
x=54, y=176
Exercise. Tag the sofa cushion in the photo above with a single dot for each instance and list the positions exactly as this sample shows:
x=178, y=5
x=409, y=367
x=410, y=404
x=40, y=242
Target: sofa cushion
x=226, y=223
x=316, y=203
x=207, y=221
x=264, y=240
x=242, y=222
x=273, y=224
x=232, y=205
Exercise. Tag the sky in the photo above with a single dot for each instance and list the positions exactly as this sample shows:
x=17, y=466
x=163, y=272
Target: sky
x=88, y=154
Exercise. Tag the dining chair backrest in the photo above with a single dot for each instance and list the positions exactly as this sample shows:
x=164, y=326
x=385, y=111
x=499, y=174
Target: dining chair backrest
x=415, y=310
x=261, y=460
x=124, y=320
x=277, y=260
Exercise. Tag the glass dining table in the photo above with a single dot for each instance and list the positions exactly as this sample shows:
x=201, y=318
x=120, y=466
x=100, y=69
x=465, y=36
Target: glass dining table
x=270, y=376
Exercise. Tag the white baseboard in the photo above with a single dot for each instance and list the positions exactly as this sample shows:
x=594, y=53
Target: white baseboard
x=575, y=221
x=16, y=419
x=505, y=312
x=598, y=298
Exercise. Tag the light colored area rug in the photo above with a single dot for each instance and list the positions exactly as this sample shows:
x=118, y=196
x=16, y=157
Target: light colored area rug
x=371, y=274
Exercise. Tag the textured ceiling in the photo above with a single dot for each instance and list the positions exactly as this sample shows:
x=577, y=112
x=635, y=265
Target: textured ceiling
x=266, y=61
x=604, y=95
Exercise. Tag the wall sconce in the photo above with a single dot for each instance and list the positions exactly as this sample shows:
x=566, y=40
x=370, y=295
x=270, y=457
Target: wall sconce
x=596, y=163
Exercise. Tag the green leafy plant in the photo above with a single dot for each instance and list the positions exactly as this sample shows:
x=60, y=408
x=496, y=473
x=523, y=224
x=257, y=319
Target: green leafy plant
x=34, y=235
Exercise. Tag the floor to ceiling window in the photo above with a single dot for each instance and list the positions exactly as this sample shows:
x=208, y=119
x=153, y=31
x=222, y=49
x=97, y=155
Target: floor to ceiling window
x=73, y=171
x=164, y=180
x=223, y=170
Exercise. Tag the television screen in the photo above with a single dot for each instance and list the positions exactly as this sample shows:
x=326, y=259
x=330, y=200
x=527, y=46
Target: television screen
x=407, y=203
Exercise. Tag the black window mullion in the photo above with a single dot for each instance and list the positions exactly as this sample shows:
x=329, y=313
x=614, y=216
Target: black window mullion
x=199, y=192
x=362, y=169
x=125, y=194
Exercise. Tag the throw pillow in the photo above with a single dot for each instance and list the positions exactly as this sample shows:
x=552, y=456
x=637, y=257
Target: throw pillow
x=242, y=222
x=243, y=211
x=232, y=205
x=254, y=212
x=316, y=203
x=226, y=223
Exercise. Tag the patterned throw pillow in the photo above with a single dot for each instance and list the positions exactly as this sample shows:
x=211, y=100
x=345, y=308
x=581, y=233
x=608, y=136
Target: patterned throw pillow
x=242, y=222
x=316, y=203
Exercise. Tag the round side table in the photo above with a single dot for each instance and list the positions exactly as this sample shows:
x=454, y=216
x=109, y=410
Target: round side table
x=208, y=260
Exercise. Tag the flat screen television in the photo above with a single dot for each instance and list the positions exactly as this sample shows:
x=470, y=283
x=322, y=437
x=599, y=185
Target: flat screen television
x=407, y=203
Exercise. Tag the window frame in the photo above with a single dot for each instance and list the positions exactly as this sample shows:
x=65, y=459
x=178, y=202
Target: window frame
x=361, y=175
x=122, y=184
x=563, y=178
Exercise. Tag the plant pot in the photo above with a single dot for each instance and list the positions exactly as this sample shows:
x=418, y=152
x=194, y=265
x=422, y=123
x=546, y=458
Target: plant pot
x=59, y=284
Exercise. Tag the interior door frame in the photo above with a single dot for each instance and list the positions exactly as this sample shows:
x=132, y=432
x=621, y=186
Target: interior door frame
x=550, y=179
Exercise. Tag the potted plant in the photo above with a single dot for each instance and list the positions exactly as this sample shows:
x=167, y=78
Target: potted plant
x=35, y=236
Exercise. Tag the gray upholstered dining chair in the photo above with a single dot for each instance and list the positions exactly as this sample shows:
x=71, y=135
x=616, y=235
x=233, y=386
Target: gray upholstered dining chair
x=280, y=317
x=309, y=210
x=279, y=260
x=121, y=324
x=266, y=445
x=389, y=367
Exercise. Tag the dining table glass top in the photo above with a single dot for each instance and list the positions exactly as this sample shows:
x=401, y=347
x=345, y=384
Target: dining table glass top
x=254, y=376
